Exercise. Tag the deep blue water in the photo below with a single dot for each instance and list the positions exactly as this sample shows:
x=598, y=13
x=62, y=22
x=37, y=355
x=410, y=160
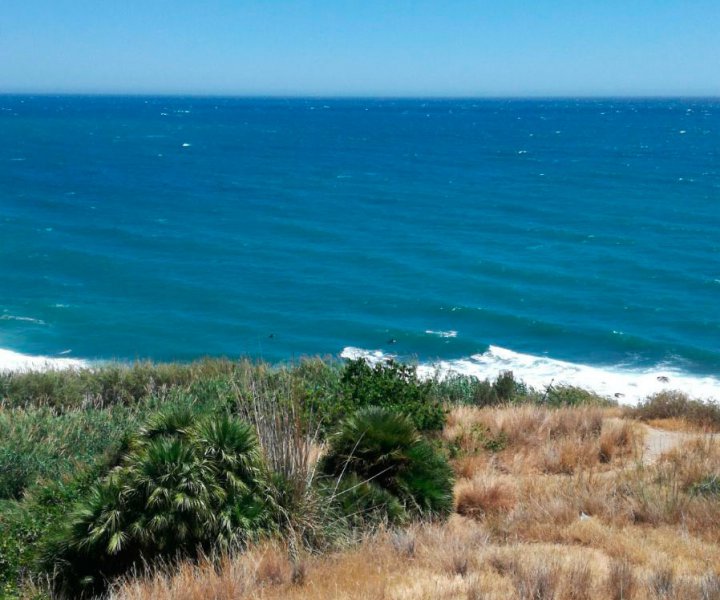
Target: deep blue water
x=171, y=228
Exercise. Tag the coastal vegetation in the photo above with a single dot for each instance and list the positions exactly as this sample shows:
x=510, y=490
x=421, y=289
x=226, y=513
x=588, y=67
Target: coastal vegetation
x=326, y=479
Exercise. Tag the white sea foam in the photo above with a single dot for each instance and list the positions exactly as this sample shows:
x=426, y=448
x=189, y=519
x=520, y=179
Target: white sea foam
x=26, y=319
x=14, y=361
x=627, y=385
x=443, y=334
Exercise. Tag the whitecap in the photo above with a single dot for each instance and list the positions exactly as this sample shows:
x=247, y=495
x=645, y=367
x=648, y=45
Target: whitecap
x=186, y=145
x=26, y=319
x=443, y=334
x=353, y=353
x=629, y=385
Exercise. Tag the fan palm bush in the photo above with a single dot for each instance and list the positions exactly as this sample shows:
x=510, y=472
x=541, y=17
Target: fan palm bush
x=383, y=460
x=186, y=485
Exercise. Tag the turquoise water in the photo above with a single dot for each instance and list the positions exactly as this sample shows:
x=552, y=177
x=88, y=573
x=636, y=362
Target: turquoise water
x=170, y=228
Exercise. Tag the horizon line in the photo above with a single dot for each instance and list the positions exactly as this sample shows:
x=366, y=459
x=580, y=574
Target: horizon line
x=332, y=96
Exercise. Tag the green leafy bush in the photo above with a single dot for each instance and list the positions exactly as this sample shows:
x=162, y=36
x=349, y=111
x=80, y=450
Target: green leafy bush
x=389, y=384
x=570, y=395
x=466, y=389
x=186, y=484
x=383, y=451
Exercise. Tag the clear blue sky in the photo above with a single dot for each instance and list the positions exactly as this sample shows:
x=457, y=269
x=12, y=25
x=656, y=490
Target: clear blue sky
x=362, y=47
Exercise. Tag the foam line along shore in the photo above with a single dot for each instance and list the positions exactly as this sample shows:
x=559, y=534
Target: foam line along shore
x=626, y=385
x=11, y=361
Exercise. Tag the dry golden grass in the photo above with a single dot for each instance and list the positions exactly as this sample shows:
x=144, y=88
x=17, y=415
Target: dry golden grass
x=485, y=495
x=561, y=507
x=532, y=439
x=455, y=561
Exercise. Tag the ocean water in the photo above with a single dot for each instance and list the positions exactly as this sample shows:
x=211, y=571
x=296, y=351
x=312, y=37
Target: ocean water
x=568, y=240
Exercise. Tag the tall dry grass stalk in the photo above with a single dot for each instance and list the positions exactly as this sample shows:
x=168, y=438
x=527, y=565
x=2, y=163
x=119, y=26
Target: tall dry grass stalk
x=287, y=432
x=288, y=435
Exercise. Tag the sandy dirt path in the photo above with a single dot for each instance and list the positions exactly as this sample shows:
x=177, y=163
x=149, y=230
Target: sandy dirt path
x=659, y=441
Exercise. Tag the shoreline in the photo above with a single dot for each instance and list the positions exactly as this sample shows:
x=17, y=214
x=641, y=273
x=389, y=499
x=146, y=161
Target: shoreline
x=625, y=385
x=14, y=362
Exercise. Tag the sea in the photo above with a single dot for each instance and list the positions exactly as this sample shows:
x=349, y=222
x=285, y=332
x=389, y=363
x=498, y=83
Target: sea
x=571, y=241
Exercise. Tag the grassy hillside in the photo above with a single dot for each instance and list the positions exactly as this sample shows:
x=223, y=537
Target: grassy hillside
x=322, y=479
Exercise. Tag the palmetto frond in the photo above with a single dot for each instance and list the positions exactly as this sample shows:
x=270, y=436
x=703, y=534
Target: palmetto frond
x=231, y=446
x=173, y=422
x=380, y=448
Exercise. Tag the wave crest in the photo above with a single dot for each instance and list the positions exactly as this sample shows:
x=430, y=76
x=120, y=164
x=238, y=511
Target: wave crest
x=628, y=386
x=16, y=362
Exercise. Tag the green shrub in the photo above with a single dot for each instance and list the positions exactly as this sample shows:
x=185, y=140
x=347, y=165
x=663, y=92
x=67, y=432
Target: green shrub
x=676, y=405
x=467, y=389
x=383, y=450
x=506, y=387
x=391, y=385
x=570, y=395
x=186, y=484
x=456, y=389
x=38, y=443
x=24, y=526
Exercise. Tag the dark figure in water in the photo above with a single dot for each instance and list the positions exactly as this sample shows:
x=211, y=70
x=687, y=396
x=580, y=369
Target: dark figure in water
x=663, y=379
